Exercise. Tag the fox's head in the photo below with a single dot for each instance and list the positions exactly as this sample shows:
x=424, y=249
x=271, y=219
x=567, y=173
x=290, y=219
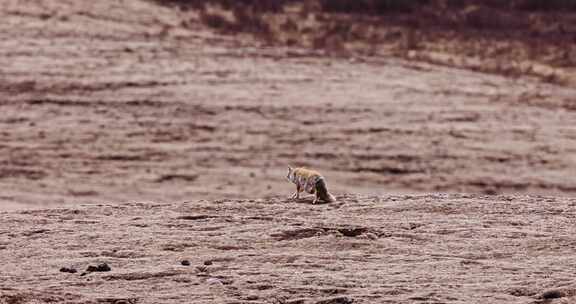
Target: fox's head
x=290, y=175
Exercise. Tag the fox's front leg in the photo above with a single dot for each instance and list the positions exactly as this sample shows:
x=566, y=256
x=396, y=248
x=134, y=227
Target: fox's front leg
x=296, y=195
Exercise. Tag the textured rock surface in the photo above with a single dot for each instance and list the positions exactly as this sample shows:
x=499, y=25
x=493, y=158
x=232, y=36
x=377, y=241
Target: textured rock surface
x=407, y=249
x=107, y=101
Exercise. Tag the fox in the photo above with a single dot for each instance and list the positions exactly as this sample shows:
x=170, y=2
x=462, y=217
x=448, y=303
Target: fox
x=310, y=181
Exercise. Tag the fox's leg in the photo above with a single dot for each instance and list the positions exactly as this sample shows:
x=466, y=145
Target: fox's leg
x=296, y=195
x=310, y=186
x=315, y=198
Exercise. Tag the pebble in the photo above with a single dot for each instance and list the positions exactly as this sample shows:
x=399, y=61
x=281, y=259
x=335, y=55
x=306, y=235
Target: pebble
x=68, y=270
x=552, y=294
x=103, y=267
x=185, y=263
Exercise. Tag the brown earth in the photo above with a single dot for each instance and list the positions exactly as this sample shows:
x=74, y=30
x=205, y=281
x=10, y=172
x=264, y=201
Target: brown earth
x=513, y=38
x=364, y=249
x=157, y=134
x=116, y=101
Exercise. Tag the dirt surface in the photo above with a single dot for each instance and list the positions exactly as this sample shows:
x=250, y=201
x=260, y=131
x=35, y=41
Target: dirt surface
x=161, y=147
x=118, y=101
x=362, y=249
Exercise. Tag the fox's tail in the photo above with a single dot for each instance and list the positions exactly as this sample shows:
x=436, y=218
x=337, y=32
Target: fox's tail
x=322, y=191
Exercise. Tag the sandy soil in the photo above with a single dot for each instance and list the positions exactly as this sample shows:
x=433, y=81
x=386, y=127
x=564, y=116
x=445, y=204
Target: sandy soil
x=120, y=101
x=363, y=249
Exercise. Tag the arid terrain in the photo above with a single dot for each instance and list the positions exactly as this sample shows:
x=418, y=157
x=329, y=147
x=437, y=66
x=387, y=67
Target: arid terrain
x=139, y=135
x=364, y=249
x=114, y=101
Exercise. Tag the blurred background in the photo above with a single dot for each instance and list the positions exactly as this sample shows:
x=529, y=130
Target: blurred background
x=117, y=101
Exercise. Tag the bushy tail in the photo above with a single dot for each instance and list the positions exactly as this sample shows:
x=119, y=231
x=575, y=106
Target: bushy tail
x=322, y=191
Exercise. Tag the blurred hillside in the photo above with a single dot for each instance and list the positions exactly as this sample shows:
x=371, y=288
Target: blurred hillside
x=383, y=6
x=521, y=37
x=119, y=101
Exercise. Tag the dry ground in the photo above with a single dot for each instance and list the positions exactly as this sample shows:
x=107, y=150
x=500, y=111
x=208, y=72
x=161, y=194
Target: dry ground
x=171, y=131
x=363, y=249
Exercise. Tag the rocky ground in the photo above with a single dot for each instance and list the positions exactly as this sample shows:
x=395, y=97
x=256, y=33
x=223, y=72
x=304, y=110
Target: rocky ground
x=143, y=156
x=363, y=249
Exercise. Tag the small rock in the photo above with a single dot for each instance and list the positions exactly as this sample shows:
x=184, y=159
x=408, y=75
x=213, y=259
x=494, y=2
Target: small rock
x=207, y=263
x=68, y=270
x=100, y=268
x=91, y=268
x=185, y=263
x=202, y=268
x=352, y=232
x=552, y=294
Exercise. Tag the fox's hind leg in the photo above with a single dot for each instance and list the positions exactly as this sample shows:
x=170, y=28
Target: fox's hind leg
x=310, y=186
x=316, y=197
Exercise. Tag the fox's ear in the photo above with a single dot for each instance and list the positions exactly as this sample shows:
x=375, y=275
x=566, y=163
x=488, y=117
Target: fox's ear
x=289, y=173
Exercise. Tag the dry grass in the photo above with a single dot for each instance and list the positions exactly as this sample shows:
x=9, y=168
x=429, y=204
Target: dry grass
x=520, y=37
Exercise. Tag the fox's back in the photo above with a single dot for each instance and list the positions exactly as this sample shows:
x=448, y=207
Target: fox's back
x=306, y=173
